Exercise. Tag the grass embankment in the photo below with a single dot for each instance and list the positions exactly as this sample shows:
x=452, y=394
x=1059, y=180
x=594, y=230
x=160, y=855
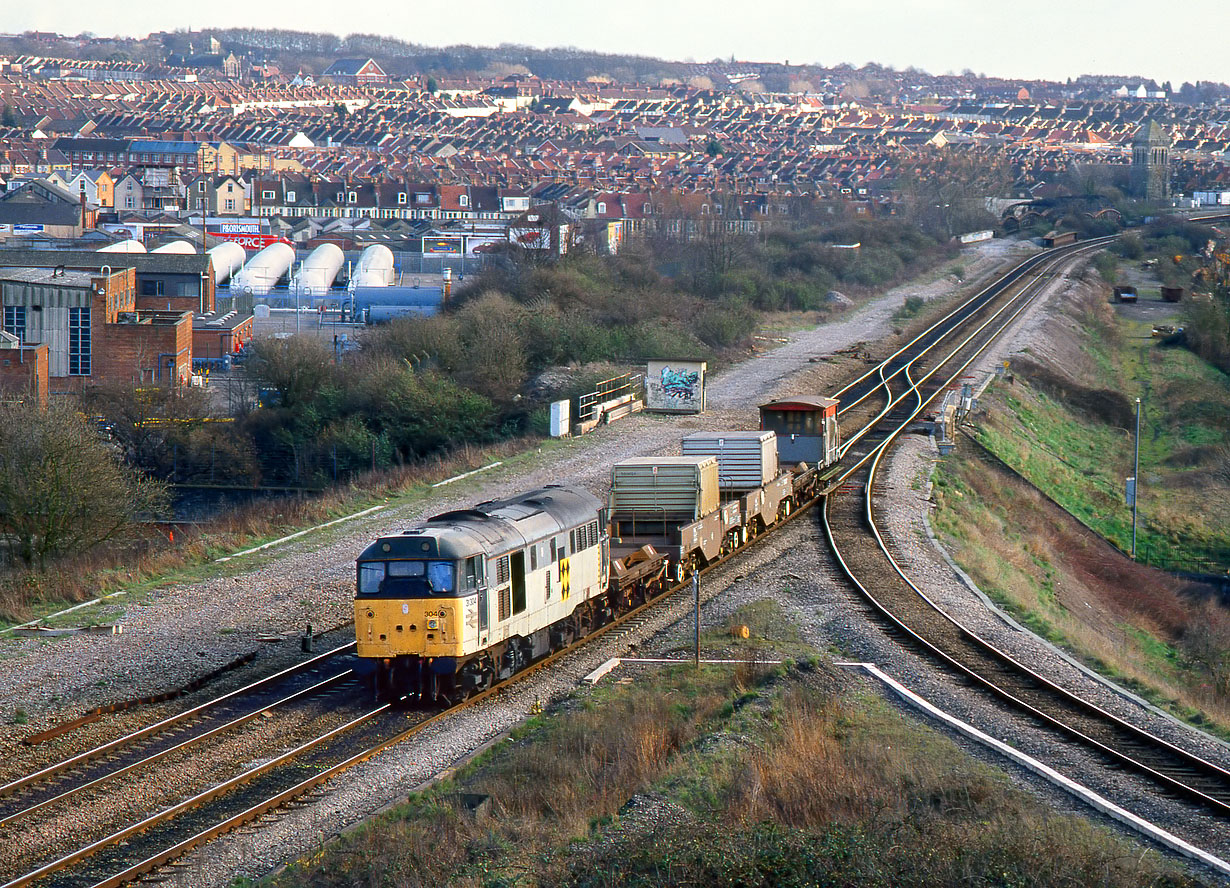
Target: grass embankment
x=747, y=776
x=1065, y=425
x=192, y=556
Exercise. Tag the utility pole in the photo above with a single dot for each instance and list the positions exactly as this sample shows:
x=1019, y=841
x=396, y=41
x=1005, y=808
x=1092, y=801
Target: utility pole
x=1136, y=480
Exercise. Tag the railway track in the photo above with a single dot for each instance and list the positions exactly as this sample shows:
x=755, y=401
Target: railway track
x=982, y=309
x=849, y=516
x=30, y=793
x=147, y=844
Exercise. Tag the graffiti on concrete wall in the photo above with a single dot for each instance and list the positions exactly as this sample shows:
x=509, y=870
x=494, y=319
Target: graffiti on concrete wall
x=675, y=386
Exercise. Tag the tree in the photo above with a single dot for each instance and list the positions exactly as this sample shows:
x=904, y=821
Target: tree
x=62, y=488
x=297, y=368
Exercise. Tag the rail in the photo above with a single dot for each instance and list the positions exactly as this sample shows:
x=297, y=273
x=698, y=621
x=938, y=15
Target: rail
x=1172, y=767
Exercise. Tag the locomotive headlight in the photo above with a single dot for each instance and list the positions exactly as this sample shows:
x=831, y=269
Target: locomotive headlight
x=433, y=624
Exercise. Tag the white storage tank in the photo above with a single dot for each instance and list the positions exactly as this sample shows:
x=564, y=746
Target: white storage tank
x=746, y=460
x=264, y=270
x=227, y=258
x=664, y=488
x=124, y=246
x=318, y=271
x=375, y=268
x=179, y=247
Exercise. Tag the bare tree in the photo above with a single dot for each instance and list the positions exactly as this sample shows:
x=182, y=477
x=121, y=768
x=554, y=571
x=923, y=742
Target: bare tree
x=297, y=368
x=62, y=487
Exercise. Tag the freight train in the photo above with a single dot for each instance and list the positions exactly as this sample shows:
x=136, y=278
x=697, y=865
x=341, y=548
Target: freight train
x=468, y=598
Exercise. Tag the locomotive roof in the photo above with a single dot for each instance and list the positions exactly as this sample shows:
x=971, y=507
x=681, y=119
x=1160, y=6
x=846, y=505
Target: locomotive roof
x=493, y=527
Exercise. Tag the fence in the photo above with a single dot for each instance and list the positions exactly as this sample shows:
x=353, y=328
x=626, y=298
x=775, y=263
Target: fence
x=613, y=399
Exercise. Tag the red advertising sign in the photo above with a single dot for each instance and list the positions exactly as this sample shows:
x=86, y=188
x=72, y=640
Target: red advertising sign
x=249, y=241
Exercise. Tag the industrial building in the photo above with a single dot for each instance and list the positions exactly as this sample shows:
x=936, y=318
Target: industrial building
x=218, y=337
x=93, y=326
x=167, y=281
x=23, y=371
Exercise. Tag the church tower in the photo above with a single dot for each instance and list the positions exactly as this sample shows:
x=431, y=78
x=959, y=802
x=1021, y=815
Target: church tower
x=1151, y=162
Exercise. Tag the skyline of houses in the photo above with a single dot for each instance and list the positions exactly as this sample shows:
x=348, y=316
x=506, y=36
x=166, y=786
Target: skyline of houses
x=357, y=144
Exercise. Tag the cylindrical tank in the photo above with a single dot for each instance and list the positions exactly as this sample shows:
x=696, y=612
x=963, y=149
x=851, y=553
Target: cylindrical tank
x=181, y=247
x=264, y=270
x=124, y=246
x=375, y=268
x=227, y=258
x=318, y=270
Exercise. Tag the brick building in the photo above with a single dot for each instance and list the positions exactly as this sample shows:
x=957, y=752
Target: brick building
x=216, y=336
x=166, y=281
x=94, y=326
x=23, y=370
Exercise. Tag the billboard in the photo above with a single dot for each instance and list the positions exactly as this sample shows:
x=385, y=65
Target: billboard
x=675, y=386
x=247, y=226
x=531, y=238
x=442, y=246
x=249, y=233
x=250, y=241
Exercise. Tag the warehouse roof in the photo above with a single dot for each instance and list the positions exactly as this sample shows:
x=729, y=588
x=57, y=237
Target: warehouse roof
x=146, y=263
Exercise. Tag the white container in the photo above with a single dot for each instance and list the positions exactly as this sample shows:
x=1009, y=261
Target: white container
x=178, y=247
x=375, y=268
x=264, y=270
x=124, y=246
x=746, y=460
x=671, y=488
x=227, y=258
x=318, y=272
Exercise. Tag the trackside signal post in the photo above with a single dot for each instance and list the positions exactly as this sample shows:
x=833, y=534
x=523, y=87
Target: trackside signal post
x=1133, y=483
x=696, y=620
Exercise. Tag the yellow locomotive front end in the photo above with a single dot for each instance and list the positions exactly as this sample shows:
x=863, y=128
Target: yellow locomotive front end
x=416, y=613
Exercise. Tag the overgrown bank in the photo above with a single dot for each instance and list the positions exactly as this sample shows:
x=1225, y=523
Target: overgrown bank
x=1065, y=423
x=743, y=776
x=470, y=381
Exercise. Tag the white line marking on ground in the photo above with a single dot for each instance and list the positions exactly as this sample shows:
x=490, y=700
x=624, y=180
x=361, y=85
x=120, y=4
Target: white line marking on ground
x=468, y=474
x=1084, y=793
x=300, y=533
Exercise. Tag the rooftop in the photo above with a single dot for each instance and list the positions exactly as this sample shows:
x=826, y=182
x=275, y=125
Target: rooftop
x=60, y=277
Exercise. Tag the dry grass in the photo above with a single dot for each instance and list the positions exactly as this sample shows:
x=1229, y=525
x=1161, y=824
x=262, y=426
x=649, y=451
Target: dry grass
x=786, y=783
x=1134, y=622
x=153, y=556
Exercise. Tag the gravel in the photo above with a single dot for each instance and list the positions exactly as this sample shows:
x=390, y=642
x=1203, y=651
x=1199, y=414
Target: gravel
x=179, y=632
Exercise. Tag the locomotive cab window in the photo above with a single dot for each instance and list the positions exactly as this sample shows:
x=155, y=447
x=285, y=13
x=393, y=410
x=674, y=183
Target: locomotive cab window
x=474, y=572
x=407, y=579
x=370, y=578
